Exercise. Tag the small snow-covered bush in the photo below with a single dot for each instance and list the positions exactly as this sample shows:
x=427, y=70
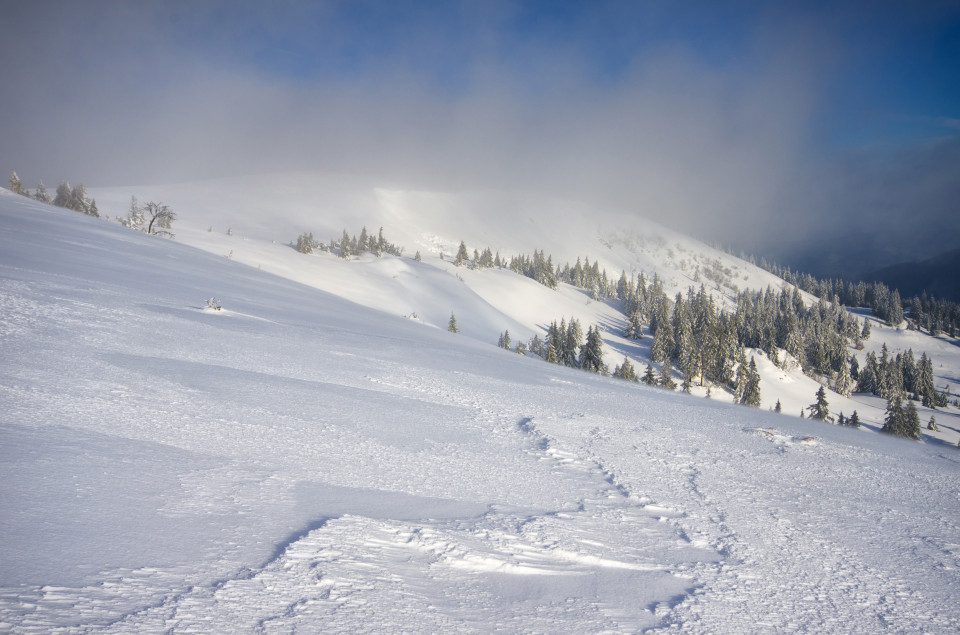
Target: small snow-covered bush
x=214, y=304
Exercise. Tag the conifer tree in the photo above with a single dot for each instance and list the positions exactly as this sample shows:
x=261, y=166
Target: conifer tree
x=854, y=420
x=63, y=199
x=551, y=352
x=778, y=407
x=135, y=218
x=894, y=419
x=305, y=243
x=382, y=244
x=649, y=378
x=591, y=353
x=740, y=384
x=452, y=324
x=41, y=193
x=662, y=343
x=14, y=185
x=634, y=330
x=625, y=370
x=868, y=375
x=666, y=377
x=843, y=383
x=78, y=199
x=932, y=424
x=417, y=257
x=751, y=391
x=820, y=409
x=573, y=343
x=362, y=243
x=924, y=385
x=865, y=333
x=911, y=421
x=462, y=254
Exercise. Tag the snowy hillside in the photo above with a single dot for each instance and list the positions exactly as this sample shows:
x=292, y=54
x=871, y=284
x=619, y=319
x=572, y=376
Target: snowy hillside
x=297, y=461
x=253, y=221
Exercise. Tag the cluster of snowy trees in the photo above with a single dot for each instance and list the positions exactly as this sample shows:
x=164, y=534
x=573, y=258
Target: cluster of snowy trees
x=349, y=245
x=901, y=421
x=923, y=312
x=820, y=410
x=306, y=243
x=934, y=316
x=708, y=344
x=565, y=345
x=153, y=218
x=485, y=260
x=539, y=266
x=899, y=376
x=74, y=198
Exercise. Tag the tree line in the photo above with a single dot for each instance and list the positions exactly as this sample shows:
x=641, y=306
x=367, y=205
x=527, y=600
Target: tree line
x=348, y=246
x=923, y=312
x=153, y=218
x=74, y=198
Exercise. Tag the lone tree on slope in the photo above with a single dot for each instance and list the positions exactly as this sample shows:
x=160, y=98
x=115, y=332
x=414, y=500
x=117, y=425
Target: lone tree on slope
x=160, y=217
x=15, y=186
x=820, y=410
x=452, y=324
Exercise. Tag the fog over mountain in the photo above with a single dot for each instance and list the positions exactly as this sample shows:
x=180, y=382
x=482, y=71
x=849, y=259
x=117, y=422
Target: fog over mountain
x=765, y=129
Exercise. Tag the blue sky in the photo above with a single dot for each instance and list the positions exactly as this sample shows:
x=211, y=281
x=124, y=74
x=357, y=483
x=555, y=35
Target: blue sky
x=747, y=122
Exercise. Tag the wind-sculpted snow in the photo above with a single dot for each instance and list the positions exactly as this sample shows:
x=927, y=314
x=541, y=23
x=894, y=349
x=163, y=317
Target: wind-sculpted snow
x=299, y=463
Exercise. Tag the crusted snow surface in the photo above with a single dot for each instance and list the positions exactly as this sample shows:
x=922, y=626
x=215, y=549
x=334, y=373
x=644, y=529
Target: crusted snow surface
x=299, y=463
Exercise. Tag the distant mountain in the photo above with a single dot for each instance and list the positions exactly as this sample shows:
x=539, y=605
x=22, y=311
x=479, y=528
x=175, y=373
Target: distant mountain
x=938, y=276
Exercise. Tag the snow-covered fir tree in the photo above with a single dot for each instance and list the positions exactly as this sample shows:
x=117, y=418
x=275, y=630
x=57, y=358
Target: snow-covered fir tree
x=591, y=353
x=894, y=421
x=15, y=186
x=911, y=421
x=649, y=377
x=820, y=408
x=751, y=391
x=462, y=254
x=843, y=383
x=665, y=380
x=41, y=193
x=625, y=370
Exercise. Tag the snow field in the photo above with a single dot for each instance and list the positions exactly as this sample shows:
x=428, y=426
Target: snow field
x=300, y=462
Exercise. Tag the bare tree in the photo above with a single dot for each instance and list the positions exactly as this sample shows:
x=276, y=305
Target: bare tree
x=160, y=217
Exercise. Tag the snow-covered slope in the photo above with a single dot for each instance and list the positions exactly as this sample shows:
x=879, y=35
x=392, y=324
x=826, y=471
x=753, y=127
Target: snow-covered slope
x=279, y=208
x=253, y=220
x=300, y=462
